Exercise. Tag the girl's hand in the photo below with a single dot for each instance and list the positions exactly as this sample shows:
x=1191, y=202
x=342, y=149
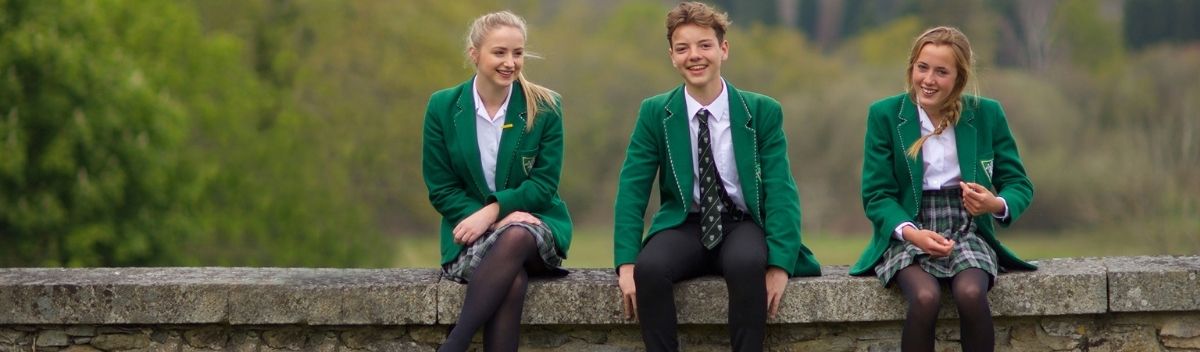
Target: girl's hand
x=469, y=229
x=928, y=241
x=979, y=200
x=518, y=216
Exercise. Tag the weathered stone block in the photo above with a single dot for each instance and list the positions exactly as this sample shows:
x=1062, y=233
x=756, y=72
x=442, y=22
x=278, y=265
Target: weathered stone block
x=52, y=338
x=1181, y=327
x=338, y=296
x=210, y=337
x=287, y=338
x=428, y=334
x=1142, y=284
x=10, y=336
x=369, y=337
x=832, y=344
x=322, y=341
x=81, y=330
x=110, y=342
x=1058, y=287
x=244, y=341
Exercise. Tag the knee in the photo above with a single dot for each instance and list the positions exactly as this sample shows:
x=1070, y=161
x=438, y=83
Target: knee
x=925, y=300
x=515, y=236
x=964, y=294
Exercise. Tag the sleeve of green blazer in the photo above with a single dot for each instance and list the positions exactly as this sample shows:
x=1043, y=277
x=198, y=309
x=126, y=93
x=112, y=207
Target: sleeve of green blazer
x=540, y=188
x=447, y=192
x=1010, y=179
x=781, y=221
x=633, y=191
x=880, y=189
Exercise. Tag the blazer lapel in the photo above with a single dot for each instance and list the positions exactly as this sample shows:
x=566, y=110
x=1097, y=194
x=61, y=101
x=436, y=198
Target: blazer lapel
x=909, y=131
x=514, y=130
x=965, y=137
x=745, y=148
x=468, y=141
x=679, y=144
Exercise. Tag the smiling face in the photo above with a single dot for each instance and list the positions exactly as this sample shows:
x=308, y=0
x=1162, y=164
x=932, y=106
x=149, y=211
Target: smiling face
x=499, y=57
x=934, y=75
x=697, y=54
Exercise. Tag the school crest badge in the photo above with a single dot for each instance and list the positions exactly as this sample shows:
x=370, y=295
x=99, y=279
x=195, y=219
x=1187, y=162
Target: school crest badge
x=527, y=163
x=987, y=167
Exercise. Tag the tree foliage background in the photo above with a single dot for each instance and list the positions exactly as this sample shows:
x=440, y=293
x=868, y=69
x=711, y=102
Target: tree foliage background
x=287, y=132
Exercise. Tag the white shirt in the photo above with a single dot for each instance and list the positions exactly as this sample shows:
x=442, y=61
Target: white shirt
x=940, y=153
x=940, y=156
x=722, y=145
x=488, y=130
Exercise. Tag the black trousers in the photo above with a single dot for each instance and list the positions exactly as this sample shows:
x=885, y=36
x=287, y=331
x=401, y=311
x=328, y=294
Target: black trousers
x=676, y=254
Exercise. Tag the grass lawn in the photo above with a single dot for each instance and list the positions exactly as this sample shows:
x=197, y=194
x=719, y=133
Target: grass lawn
x=592, y=247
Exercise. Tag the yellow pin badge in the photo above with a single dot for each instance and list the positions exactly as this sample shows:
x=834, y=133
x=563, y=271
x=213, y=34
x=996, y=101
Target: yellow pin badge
x=507, y=125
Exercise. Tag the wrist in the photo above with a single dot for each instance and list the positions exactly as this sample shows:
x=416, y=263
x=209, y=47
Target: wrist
x=625, y=269
x=907, y=232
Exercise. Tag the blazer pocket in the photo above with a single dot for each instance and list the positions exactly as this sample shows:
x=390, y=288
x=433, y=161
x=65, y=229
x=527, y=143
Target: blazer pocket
x=528, y=158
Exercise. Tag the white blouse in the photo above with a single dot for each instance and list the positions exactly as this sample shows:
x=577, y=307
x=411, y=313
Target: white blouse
x=488, y=130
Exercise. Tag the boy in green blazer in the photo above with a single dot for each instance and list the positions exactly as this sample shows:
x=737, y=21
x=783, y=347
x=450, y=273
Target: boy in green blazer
x=729, y=205
x=931, y=160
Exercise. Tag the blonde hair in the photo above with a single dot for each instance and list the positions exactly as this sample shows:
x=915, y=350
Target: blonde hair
x=964, y=60
x=536, y=96
x=699, y=14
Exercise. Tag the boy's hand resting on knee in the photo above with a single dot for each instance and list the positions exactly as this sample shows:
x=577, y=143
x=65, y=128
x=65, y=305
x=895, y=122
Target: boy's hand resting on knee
x=628, y=290
x=928, y=241
x=777, y=280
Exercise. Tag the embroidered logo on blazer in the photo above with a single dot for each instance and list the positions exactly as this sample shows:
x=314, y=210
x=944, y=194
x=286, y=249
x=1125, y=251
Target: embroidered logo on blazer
x=987, y=167
x=527, y=163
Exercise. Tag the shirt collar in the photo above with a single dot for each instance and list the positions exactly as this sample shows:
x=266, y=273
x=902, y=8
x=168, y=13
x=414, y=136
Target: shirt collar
x=926, y=123
x=481, y=110
x=719, y=108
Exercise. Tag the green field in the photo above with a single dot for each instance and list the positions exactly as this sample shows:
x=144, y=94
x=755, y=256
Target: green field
x=592, y=248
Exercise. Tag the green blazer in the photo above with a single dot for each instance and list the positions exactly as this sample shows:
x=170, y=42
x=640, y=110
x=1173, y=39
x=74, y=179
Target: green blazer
x=661, y=145
x=528, y=164
x=891, y=182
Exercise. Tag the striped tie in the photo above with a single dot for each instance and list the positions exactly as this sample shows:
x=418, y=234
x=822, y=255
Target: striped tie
x=713, y=199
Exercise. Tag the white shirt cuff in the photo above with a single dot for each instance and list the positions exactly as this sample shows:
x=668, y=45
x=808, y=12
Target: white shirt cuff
x=898, y=233
x=1003, y=215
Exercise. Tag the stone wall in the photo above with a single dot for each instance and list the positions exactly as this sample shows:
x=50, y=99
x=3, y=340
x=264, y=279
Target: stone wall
x=1087, y=304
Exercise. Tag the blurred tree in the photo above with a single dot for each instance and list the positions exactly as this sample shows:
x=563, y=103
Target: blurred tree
x=90, y=172
x=135, y=139
x=352, y=81
x=1089, y=41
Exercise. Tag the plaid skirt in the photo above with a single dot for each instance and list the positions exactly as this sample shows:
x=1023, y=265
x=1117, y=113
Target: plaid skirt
x=460, y=269
x=942, y=211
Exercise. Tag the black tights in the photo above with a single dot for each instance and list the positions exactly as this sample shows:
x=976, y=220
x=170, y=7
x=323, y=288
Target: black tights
x=969, y=288
x=496, y=294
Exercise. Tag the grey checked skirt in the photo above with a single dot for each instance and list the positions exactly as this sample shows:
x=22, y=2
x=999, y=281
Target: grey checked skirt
x=460, y=269
x=942, y=211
